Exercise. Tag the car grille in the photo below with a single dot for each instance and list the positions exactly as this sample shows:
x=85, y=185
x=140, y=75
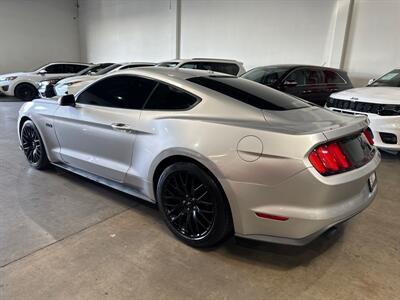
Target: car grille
x=365, y=107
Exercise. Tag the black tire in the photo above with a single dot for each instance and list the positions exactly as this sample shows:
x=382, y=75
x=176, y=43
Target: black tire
x=193, y=206
x=26, y=92
x=33, y=146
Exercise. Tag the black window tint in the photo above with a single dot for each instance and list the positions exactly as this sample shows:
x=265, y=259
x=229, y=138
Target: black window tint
x=55, y=69
x=251, y=93
x=227, y=68
x=297, y=76
x=268, y=76
x=314, y=76
x=190, y=66
x=69, y=69
x=333, y=77
x=166, y=97
x=77, y=68
x=118, y=91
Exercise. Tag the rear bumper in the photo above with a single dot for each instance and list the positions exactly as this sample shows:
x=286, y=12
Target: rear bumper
x=312, y=203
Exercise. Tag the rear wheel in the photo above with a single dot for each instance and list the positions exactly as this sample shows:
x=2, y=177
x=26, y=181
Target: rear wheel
x=193, y=206
x=26, y=92
x=33, y=146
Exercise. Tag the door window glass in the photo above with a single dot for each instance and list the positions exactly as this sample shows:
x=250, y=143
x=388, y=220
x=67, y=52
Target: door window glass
x=118, y=91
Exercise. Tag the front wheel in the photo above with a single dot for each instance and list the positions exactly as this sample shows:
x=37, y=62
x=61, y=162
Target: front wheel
x=193, y=206
x=26, y=92
x=33, y=146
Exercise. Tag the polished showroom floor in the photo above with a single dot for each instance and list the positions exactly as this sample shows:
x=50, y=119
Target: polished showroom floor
x=62, y=237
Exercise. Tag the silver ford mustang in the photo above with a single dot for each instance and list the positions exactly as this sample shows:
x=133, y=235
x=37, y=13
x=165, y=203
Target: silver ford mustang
x=218, y=154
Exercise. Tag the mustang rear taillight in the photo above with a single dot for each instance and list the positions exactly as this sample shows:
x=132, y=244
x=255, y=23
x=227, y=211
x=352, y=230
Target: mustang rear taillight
x=368, y=134
x=329, y=159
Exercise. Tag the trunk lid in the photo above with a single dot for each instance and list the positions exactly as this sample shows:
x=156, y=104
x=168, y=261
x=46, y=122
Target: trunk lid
x=315, y=120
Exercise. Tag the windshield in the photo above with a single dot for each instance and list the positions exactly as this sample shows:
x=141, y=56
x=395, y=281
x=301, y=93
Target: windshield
x=168, y=64
x=108, y=69
x=389, y=79
x=251, y=93
x=267, y=76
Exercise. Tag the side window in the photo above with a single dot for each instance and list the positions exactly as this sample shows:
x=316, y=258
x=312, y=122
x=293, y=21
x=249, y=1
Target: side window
x=226, y=68
x=190, y=66
x=314, y=76
x=333, y=77
x=118, y=91
x=55, y=69
x=69, y=69
x=166, y=97
x=77, y=68
x=298, y=76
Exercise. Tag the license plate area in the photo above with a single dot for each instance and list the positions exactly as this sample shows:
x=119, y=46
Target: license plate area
x=372, y=181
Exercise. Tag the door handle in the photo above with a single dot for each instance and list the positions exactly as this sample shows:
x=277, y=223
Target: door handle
x=306, y=92
x=333, y=90
x=122, y=127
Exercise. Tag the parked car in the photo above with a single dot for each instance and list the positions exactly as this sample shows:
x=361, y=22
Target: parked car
x=380, y=101
x=72, y=85
x=24, y=85
x=226, y=66
x=312, y=83
x=275, y=168
x=46, y=86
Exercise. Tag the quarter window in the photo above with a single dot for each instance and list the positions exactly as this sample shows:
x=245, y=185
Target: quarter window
x=166, y=97
x=118, y=91
x=333, y=77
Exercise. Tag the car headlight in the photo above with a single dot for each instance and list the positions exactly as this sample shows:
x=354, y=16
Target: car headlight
x=9, y=78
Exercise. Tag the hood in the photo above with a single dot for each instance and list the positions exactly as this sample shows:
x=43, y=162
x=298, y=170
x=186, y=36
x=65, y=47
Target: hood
x=379, y=94
x=14, y=74
x=315, y=120
x=75, y=79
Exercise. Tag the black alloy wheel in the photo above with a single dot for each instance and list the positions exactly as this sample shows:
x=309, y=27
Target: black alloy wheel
x=33, y=147
x=192, y=205
x=26, y=92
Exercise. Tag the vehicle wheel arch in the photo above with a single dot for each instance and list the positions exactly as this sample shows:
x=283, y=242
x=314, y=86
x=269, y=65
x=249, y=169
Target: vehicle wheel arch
x=21, y=124
x=167, y=161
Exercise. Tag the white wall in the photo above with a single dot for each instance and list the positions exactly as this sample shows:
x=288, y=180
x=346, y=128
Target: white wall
x=36, y=32
x=127, y=30
x=257, y=32
x=374, y=40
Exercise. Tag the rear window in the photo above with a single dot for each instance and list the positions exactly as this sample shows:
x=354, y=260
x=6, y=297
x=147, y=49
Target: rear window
x=249, y=92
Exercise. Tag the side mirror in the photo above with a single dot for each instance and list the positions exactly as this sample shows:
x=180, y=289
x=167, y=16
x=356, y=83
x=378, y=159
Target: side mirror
x=290, y=83
x=371, y=81
x=67, y=100
x=42, y=72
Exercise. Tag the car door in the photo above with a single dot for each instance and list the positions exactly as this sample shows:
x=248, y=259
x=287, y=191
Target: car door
x=97, y=135
x=306, y=83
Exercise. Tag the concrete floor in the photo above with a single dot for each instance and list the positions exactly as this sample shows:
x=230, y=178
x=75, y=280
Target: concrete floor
x=63, y=237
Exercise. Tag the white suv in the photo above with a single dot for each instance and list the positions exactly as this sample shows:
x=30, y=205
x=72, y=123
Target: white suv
x=227, y=66
x=24, y=85
x=380, y=101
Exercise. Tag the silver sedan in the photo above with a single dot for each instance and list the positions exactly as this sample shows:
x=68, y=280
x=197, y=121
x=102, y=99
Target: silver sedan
x=220, y=155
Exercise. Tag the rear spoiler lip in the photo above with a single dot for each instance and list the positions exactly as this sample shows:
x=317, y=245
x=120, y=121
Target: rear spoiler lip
x=358, y=125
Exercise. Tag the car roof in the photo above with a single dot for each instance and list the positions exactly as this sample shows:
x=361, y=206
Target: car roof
x=182, y=60
x=295, y=66
x=170, y=72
